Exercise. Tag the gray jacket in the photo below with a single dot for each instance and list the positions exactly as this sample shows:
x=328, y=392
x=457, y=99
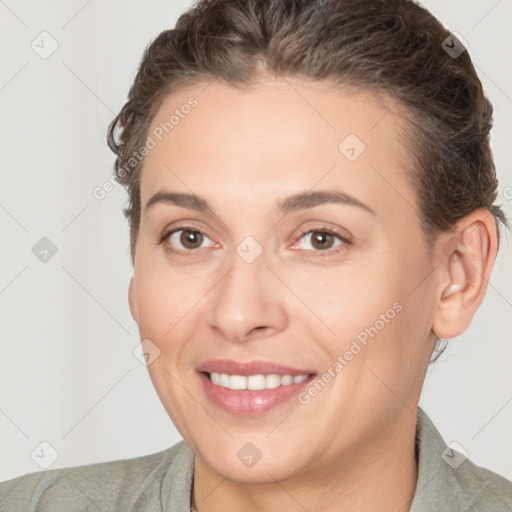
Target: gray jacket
x=162, y=482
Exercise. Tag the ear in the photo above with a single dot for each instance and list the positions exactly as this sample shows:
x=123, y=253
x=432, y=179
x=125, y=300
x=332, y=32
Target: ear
x=466, y=258
x=132, y=300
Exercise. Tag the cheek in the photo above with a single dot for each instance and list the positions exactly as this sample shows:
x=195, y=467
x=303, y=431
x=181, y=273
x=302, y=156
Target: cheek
x=346, y=300
x=377, y=317
x=397, y=351
x=166, y=300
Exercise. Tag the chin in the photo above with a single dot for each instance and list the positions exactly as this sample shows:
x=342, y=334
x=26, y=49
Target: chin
x=260, y=473
x=242, y=461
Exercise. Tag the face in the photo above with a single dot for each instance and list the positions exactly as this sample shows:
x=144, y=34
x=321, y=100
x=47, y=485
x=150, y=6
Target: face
x=299, y=271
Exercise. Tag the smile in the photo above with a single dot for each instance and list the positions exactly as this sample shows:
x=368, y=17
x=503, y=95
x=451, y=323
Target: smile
x=254, y=382
x=250, y=388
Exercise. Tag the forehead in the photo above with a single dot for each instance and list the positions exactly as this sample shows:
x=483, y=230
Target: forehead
x=249, y=147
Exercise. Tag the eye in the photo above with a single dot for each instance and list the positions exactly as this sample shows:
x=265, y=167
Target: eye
x=323, y=240
x=186, y=240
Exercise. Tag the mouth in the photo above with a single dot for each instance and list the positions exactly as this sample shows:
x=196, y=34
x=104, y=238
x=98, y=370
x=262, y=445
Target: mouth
x=254, y=382
x=252, y=388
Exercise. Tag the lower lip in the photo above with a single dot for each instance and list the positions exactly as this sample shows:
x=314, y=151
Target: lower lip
x=248, y=402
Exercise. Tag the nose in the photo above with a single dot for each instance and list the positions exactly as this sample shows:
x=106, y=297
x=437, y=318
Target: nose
x=246, y=303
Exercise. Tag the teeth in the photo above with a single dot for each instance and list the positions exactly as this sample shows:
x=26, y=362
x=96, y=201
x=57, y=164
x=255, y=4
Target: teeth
x=272, y=381
x=224, y=380
x=286, y=380
x=237, y=382
x=254, y=382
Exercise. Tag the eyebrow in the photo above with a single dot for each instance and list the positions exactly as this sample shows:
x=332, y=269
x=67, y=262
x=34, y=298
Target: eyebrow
x=292, y=203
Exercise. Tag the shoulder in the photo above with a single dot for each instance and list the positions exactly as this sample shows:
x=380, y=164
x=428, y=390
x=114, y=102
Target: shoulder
x=448, y=480
x=485, y=489
x=131, y=484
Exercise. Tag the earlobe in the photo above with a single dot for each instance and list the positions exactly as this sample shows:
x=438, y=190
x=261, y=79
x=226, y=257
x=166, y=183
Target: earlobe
x=132, y=300
x=465, y=274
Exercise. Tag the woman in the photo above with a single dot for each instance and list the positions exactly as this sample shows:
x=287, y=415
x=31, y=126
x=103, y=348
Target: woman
x=312, y=212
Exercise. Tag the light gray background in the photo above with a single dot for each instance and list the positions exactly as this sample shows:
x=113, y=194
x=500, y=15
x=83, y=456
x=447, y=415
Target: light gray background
x=68, y=375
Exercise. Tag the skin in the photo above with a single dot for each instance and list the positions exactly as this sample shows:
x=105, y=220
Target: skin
x=352, y=445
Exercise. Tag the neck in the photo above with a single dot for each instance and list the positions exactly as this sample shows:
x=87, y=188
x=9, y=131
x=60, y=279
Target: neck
x=383, y=471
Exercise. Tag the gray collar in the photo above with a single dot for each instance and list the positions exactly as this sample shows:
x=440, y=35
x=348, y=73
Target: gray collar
x=447, y=480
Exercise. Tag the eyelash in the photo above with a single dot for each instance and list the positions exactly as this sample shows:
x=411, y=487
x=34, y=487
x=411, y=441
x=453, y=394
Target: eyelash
x=319, y=229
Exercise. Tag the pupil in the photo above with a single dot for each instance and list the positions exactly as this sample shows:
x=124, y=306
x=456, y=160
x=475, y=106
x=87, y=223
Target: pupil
x=322, y=237
x=190, y=237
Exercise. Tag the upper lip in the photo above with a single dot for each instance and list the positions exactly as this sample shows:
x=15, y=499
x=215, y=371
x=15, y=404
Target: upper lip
x=246, y=368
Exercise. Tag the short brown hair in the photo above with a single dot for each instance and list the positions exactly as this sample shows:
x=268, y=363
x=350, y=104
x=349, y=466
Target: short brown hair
x=390, y=46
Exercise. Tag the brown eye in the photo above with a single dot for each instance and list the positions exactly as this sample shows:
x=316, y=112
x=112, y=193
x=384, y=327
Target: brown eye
x=183, y=240
x=190, y=239
x=322, y=240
